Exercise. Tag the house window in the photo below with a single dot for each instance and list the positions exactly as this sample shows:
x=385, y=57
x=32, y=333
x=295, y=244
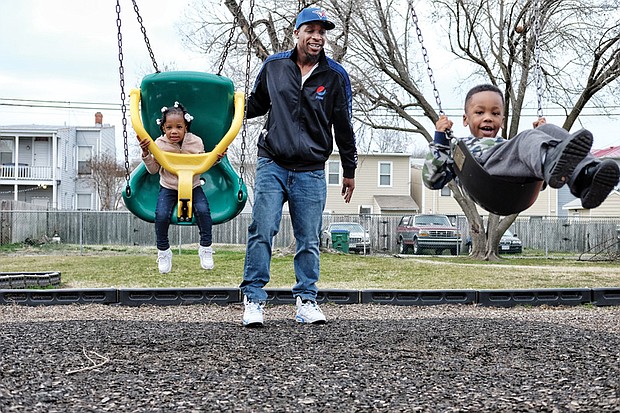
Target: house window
x=65, y=156
x=85, y=154
x=84, y=201
x=365, y=209
x=445, y=191
x=333, y=173
x=59, y=152
x=385, y=173
x=6, y=151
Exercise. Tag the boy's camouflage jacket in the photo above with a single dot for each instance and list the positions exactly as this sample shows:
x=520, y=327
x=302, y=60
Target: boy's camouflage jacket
x=437, y=170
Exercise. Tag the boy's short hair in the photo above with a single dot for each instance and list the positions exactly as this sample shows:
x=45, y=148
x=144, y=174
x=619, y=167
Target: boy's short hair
x=486, y=87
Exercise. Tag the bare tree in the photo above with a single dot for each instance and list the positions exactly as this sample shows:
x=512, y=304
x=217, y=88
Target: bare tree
x=271, y=25
x=108, y=177
x=498, y=40
x=578, y=48
x=382, y=141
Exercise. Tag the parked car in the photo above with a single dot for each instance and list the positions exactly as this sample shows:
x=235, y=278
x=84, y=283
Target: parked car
x=435, y=232
x=359, y=238
x=508, y=244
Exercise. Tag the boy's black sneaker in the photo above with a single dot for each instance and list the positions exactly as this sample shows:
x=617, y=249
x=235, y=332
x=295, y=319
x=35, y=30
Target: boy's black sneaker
x=562, y=159
x=598, y=180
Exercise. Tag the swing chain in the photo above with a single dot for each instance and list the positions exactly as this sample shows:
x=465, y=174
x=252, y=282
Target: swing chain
x=146, y=38
x=429, y=70
x=230, y=38
x=121, y=71
x=537, y=67
x=248, y=60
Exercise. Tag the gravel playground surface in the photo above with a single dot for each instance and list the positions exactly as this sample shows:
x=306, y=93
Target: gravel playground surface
x=94, y=358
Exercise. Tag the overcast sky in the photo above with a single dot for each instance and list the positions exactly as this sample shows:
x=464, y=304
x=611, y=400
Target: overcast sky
x=67, y=50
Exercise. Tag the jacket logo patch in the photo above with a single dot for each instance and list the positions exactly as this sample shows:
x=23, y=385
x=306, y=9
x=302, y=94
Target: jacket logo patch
x=320, y=92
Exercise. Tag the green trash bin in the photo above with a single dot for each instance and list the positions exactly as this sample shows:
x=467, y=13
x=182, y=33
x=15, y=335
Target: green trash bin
x=340, y=240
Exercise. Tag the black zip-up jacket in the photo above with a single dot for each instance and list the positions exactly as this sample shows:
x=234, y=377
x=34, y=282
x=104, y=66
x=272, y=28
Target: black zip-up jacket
x=298, y=131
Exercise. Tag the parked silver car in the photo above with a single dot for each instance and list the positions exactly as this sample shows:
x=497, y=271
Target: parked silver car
x=508, y=244
x=359, y=238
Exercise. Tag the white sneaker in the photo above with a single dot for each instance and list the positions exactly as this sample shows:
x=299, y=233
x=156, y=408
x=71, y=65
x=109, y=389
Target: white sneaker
x=253, y=313
x=308, y=312
x=206, y=257
x=164, y=261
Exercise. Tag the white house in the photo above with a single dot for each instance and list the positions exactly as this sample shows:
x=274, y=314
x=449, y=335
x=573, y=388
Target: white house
x=49, y=165
x=382, y=185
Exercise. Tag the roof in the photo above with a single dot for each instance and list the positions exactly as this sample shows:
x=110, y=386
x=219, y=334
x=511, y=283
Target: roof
x=611, y=152
x=28, y=128
x=46, y=128
x=378, y=154
x=576, y=203
x=396, y=203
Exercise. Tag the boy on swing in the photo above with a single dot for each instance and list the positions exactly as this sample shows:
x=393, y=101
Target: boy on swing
x=546, y=152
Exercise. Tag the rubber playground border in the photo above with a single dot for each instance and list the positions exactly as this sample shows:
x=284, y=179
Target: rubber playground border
x=225, y=296
x=22, y=290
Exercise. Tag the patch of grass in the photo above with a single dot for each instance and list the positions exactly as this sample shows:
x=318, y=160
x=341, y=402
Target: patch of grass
x=4, y=248
x=136, y=267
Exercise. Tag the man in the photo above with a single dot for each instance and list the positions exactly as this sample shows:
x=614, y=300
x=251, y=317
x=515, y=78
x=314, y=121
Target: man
x=307, y=95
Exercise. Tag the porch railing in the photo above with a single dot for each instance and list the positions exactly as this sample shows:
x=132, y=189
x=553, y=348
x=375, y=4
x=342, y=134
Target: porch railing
x=25, y=172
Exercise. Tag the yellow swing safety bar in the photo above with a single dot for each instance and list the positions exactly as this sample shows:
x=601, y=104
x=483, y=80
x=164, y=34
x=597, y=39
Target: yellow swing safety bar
x=185, y=166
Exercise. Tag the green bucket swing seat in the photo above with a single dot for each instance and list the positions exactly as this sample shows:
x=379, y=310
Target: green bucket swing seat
x=218, y=113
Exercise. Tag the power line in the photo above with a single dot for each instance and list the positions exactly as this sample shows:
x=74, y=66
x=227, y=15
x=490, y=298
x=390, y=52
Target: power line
x=57, y=104
x=65, y=104
x=56, y=101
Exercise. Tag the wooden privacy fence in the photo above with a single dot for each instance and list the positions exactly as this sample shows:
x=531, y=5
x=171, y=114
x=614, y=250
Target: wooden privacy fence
x=123, y=228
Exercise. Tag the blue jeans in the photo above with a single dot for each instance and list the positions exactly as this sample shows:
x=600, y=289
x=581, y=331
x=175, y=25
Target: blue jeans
x=306, y=193
x=167, y=200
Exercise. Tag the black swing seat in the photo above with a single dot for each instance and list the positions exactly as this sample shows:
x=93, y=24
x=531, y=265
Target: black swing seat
x=495, y=194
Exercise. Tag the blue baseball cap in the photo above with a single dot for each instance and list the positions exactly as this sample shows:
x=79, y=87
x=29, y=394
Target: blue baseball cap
x=313, y=14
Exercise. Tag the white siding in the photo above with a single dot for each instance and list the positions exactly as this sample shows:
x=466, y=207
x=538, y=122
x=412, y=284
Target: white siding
x=37, y=148
x=367, y=184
